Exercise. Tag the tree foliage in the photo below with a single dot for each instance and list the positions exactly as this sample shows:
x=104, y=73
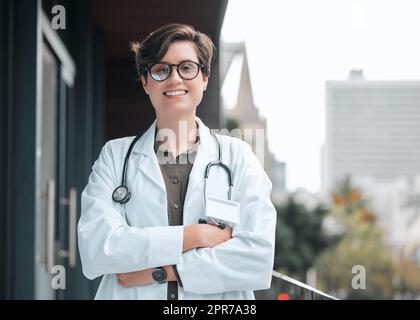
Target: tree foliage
x=362, y=245
x=300, y=237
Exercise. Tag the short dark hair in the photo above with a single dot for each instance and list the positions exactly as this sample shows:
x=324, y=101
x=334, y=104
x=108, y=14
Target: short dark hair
x=156, y=44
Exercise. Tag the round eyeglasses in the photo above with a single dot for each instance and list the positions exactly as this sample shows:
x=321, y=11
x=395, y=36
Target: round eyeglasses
x=187, y=70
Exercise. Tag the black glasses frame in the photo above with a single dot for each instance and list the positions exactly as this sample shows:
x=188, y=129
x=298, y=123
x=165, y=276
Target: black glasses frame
x=149, y=69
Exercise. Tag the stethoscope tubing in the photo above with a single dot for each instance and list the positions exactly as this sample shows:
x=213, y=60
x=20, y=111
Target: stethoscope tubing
x=122, y=195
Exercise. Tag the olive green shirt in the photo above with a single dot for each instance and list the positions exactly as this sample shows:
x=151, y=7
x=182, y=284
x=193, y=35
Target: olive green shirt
x=175, y=172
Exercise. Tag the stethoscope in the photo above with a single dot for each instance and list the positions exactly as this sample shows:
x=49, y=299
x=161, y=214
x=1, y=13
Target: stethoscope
x=122, y=195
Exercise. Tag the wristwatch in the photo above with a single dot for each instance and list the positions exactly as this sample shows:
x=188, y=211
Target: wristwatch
x=159, y=275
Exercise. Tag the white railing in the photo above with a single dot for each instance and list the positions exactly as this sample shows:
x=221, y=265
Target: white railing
x=286, y=288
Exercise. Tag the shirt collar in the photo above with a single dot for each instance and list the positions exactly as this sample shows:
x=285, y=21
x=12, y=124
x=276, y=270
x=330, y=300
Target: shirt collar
x=189, y=151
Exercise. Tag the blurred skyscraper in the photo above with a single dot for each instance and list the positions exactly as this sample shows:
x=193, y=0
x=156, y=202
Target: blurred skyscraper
x=373, y=135
x=240, y=110
x=279, y=176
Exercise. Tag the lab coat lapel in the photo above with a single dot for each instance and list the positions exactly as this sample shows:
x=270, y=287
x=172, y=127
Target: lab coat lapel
x=149, y=165
x=147, y=162
x=206, y=152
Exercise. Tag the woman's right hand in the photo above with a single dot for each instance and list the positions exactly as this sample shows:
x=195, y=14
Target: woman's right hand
x=211, y=235
x=204, y=236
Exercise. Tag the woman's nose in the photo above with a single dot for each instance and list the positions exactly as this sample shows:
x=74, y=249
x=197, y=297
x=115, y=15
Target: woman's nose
x=174, y=76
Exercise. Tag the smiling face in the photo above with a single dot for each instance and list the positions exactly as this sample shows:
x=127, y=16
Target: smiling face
x=176, y=96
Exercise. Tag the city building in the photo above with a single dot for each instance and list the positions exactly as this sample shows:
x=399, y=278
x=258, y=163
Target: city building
x=373, y=136
x=241, y=112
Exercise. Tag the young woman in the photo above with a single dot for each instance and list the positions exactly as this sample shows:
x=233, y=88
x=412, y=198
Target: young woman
x=141, y=225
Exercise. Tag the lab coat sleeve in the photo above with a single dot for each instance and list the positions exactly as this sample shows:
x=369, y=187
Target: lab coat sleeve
x=245, y=262
x=107, y=244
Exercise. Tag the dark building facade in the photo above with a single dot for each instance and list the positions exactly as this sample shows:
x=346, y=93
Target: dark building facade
x=63, y=93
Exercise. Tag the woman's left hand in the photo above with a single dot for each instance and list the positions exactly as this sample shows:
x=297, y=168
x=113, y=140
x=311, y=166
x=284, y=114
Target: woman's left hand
x=136, y=278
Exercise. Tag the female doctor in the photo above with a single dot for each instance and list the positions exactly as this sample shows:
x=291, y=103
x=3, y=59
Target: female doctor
x=140, y=211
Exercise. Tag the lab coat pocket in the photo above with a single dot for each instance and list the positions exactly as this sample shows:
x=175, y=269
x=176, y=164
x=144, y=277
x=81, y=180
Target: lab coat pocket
x=223, y=210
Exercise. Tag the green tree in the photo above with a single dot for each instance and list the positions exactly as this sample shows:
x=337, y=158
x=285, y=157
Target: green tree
x=232, y=124
x=300, y=238
x=362, y=245
x=407, y=277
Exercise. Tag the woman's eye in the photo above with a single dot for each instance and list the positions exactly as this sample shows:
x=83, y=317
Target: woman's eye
x=188, y=68
x=161, y=70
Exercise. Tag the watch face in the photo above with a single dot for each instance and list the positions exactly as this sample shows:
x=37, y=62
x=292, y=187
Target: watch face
x=159, y=275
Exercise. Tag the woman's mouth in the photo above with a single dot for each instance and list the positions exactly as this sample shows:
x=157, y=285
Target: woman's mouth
x=175, y=93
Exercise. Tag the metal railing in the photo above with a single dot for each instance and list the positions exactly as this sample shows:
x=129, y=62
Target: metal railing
x=286, y=288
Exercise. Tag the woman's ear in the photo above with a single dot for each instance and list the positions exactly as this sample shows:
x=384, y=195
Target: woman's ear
x=205, y=82
x=144, y=84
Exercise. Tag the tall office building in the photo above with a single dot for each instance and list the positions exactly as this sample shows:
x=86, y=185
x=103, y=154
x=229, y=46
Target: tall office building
x=373, y=136
x=373, y=130
x=240, y=109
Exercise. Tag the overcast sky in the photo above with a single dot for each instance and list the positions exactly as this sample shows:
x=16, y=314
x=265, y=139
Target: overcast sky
x=294, y=46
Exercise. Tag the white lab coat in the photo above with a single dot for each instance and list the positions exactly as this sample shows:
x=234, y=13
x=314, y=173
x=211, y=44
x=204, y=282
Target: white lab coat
x=116, y=238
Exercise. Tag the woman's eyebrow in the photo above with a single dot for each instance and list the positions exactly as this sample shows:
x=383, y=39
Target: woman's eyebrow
x=186, y=60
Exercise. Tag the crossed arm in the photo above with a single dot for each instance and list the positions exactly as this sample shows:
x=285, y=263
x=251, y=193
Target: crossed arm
x=195, y=236
x=109, y=246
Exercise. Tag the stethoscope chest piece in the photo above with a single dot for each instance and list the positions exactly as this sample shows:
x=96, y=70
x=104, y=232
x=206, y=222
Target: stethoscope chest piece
x=121, y=194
